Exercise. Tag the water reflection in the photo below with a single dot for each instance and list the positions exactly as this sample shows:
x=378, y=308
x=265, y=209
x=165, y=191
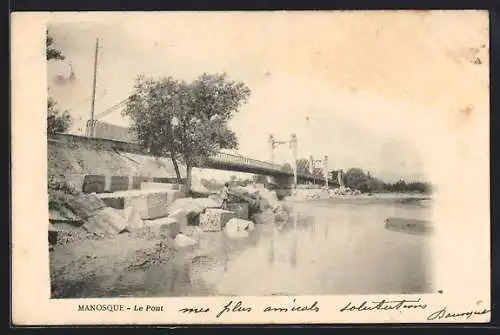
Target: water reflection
x=293, y=257
x=270, y=254
x=225, y=251
x=293, y=248
x=326, y=224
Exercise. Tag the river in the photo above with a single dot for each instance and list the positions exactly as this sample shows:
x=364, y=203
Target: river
x=334, y=247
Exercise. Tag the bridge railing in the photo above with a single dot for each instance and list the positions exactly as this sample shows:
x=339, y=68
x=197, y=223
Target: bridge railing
x=222, y=157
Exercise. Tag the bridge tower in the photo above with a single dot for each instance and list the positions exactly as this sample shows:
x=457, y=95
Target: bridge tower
x=272, y=146
x=324, y=162
x=273, y=143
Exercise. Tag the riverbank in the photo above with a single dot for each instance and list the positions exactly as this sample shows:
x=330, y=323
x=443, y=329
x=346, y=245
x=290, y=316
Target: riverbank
x=145, y=263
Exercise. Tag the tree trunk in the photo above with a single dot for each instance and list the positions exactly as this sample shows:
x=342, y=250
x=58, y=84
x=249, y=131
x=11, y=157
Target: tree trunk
x=188, y=178
x=176, y=167
x=170, y=140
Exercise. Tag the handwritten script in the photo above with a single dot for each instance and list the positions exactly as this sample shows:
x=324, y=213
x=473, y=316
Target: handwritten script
x=383, y=305
x=240, y=308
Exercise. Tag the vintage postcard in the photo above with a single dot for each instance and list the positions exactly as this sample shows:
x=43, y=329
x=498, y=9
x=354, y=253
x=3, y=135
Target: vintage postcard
x=250, y=167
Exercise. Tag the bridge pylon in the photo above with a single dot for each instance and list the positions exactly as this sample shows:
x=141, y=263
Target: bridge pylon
x=273, y=143
x=323, y=162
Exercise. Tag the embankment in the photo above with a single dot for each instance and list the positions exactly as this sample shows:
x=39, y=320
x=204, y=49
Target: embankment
x=83, y=161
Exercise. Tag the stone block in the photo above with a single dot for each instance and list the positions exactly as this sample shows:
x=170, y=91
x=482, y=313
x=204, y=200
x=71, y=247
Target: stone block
x=108, y=220
x=53, y=237
x=181, y=217
x=132, y=219
x=150, y=204
x=162, y=180
x=191, y=205
x=237, y=228
x=116, y=202
x=75, y=181
x=94, y=184
x=136, y=182
x=119, y=183
x=161, y=186
x=87, y=205
x=182, y=241
x=240, y=209
x=163, y=227
x=214, y=219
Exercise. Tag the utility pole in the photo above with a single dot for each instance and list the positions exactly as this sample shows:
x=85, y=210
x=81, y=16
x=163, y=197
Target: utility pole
x=94, y=89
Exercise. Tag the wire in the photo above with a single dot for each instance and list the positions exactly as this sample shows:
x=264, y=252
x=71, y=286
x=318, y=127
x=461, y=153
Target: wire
x=111, y=109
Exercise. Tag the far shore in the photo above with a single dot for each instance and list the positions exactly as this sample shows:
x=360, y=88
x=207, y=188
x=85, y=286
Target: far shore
x=403, y=198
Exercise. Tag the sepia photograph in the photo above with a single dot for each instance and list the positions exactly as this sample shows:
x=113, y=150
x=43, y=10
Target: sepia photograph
x=269, y=154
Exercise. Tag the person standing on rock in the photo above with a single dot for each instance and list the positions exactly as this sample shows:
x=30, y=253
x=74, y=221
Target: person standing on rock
x=225, y=196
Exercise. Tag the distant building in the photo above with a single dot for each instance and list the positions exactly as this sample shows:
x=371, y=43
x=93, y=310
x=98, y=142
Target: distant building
x=113, y=132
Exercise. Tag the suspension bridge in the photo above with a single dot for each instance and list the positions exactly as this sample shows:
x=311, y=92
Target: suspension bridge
x=283, y=175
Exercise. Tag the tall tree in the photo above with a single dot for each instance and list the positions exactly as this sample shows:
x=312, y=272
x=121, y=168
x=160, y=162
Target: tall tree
x=188, y=121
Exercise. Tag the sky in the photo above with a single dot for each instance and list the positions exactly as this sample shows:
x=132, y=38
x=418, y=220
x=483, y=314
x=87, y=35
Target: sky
x=364, y=88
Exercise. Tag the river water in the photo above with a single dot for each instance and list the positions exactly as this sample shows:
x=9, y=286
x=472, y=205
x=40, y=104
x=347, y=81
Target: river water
x=330, y=248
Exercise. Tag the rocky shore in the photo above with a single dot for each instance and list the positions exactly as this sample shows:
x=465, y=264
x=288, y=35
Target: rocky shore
x=104, y=248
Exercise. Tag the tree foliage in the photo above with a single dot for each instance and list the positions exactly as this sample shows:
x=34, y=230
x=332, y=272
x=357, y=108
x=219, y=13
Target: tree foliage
x=51, y=52
x=356, y=178
x=188, y=121
x=57, y=121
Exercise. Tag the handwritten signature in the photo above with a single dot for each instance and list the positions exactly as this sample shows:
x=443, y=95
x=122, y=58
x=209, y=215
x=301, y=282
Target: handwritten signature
x=444, y=314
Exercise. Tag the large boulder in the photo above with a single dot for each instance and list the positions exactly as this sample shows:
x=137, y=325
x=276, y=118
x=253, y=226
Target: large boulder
x=180, y=216
x=266, y=217
x=237, y=225
x=240, y=209
x=192, y=205
x=270, y=197
x=107, y=221
x=258, y=200
x=163, y=227
x=132, y=218
x=214, y=219
x=183, y=241
x=197, y=186
x=238, y=228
